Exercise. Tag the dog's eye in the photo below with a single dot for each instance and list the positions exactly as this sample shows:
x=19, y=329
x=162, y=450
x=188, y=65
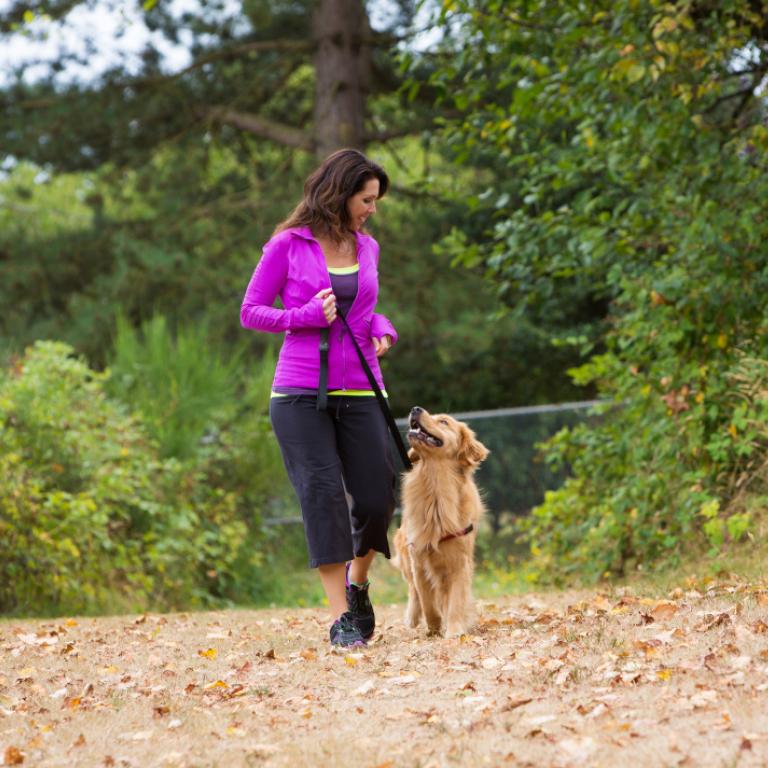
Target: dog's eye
x=443, y=421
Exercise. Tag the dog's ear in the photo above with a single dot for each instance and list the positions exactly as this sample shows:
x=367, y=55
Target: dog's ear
x=471, y=450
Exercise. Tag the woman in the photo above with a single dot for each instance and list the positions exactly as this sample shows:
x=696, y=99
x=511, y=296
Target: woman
x=318, y=261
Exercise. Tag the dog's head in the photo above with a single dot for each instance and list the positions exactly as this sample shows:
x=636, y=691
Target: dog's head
x=443, y=436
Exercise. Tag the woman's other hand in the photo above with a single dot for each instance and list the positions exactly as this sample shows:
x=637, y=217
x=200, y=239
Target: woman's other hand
x=382, y=345
x=329, y=304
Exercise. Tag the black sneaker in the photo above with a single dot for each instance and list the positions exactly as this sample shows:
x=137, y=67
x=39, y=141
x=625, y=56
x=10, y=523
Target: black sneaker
x=344, y=632
x=360, y=608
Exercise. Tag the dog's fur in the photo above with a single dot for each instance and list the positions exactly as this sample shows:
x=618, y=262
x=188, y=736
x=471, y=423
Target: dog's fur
x=439, y=498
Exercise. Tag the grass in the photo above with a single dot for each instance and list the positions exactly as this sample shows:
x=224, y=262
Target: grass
x=293, y=583
x=499, y=574
x=747, y=559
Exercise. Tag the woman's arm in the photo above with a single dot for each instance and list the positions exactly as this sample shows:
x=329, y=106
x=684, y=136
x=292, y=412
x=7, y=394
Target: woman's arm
x=266, y=284
x=381, y=326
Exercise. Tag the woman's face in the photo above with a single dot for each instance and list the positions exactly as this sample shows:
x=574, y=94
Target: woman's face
x=363, y=204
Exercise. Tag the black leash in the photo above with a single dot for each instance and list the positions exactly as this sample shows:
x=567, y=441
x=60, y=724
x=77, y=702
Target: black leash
x=322, y=390
x=322, y=386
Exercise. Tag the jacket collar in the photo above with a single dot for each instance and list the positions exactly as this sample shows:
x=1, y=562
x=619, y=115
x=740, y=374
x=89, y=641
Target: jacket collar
x=305, y=233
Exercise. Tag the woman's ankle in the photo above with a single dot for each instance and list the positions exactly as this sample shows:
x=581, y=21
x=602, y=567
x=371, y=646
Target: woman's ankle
x=357, y=569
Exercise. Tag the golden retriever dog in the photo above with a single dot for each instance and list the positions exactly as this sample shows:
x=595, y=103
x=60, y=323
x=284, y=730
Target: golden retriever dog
x=441, y=507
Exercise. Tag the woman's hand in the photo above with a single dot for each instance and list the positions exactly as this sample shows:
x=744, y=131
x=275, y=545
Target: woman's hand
x=329, y=304
x=382, y=345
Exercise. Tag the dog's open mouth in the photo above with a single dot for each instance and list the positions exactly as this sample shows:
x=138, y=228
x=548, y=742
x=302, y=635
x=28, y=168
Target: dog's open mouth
x=417, y=432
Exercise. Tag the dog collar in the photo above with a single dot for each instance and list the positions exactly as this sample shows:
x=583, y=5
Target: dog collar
x=467, y=530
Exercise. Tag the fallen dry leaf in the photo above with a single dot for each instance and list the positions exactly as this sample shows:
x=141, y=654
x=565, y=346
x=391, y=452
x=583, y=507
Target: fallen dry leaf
x=703, y=698
x=72, y=702
x=649, y=647
x=578, y=749
x=663, y=610
x=711, y=621
x=366, y=687
x=13, y=756
x=514, y=703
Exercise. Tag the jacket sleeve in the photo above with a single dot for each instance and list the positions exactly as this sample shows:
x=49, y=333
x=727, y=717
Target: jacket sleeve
x=266, y=284
x=381, y=325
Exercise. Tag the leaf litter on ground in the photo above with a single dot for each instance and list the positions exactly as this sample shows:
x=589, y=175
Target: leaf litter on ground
x=569, y=678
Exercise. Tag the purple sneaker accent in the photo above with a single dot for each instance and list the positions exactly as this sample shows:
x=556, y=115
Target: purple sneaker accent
x=344, y=632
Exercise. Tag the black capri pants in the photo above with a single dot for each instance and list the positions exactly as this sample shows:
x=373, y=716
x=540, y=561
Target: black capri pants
x=325, y=452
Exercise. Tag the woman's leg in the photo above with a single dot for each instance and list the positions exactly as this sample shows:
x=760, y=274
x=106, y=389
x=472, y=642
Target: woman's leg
x=358, y=569
x=332, y=578
x=307, y=441
x=369, y=477
x=363, y=444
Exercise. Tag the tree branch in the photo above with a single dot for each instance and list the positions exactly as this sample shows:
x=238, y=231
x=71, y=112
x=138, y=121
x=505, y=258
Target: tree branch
x=256, y=46
x=263, y=127
x=744, y=94
x=420, y=194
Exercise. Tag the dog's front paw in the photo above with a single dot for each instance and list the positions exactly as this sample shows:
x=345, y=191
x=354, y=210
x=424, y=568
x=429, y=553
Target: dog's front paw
x=455, y=630
x=434, y=630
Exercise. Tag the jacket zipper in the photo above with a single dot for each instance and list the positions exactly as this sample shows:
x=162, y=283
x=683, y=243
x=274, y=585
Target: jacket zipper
x=343, y=360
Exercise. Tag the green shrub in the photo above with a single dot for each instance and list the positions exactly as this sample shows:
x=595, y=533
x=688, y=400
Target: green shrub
x=626, y=211
x=211, y=412
x=178, y=382
x=91, y=518
x=661, y=473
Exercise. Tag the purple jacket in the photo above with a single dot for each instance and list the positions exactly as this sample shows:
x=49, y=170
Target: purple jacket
x=293, y=267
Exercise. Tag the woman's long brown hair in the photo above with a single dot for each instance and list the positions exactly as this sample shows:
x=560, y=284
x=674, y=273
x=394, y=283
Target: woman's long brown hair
x=326, y=191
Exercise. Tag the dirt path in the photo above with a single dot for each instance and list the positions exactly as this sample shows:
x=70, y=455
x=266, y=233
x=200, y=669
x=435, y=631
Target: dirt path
x=554, y=679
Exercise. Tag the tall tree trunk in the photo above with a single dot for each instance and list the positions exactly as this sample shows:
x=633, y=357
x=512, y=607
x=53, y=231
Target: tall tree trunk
x=342, y=70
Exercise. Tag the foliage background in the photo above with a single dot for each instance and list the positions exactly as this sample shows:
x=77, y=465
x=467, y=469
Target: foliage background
x=627, y=143
x=577, y=210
